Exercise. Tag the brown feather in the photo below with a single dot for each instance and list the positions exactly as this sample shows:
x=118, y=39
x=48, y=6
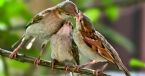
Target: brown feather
x=100, y=49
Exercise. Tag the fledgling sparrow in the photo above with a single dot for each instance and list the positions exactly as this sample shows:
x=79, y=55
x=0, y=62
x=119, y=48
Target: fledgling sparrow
x=43, y=26
x=63, y=50
x=93, y=45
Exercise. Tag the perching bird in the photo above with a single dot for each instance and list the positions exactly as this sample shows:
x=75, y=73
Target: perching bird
x=44, y=25
x=63, y=50
x=93, y=45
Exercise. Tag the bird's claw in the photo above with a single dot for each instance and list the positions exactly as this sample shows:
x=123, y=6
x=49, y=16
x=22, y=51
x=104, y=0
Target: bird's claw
x=66, y=68
x=78, y=67
x=99, y=72
x=37, y=61
x=13, y=55
x=53, y=63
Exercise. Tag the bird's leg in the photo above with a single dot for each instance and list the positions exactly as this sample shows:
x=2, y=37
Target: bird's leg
x=98, y=72
x=66, y=68
x=53, y=63
x=14, y=53
x=37, y=60
x=84, y=65
x=69, y=66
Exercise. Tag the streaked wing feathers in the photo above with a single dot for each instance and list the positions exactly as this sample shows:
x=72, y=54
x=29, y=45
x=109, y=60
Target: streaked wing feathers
x=99, y=48
x=75, y=52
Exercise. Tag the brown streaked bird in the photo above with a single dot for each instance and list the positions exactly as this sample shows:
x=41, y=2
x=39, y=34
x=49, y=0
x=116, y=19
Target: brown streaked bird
x=63, y=49
x=93, y=45
x=43, y=26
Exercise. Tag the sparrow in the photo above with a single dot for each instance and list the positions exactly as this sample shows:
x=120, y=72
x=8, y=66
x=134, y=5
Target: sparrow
x=94, y=45
x=63, y=49
x=43, y=25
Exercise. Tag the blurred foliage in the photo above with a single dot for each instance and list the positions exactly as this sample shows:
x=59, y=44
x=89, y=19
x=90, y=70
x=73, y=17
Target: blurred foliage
x=116, y=38
x=137, y=63
x=112, y=12
x=107, y=2
x=12, y=9
x=93, y=13
x=113, y=15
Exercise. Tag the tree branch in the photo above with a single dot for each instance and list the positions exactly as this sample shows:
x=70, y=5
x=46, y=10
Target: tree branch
x=28, y=59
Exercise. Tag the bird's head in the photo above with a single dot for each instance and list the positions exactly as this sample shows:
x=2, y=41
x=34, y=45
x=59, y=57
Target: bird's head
x=80, y=17
x=68, y=8
x=84, y=22
x=66, y=29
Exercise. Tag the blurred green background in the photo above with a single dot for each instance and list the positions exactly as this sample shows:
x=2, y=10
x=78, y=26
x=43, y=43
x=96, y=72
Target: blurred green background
x=122, y=22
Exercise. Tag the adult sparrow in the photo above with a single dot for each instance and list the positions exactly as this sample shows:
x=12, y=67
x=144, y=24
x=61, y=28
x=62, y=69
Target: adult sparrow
x=63, y=49
x=93, y=45
x=43, y=26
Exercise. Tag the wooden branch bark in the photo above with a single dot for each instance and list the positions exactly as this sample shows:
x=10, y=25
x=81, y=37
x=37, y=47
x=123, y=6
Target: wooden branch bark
x=28, y=59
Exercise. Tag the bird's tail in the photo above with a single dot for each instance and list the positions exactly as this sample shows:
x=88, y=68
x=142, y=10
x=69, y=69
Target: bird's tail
x=16, y=44
x=123, y=68
x=25, y=42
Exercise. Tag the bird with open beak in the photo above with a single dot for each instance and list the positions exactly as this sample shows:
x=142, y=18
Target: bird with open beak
x=63, y=49
x=94, y=46
x=43, y=26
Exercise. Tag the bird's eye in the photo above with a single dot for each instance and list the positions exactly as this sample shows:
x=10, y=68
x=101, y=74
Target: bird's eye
x=81, y=21
x=67, y=14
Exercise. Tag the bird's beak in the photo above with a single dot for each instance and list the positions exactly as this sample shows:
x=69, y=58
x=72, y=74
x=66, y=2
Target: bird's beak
x=75, y=14
x=77, y=17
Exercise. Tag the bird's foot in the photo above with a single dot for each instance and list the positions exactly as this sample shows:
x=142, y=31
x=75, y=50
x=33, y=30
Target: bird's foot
x=78, y=67
x=67, y=67
x=99, y=72
x=53, y=63
x=37, y=61
x=13, y=55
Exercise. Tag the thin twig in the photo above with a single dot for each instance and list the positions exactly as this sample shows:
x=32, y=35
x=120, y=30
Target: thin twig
x=28, y=59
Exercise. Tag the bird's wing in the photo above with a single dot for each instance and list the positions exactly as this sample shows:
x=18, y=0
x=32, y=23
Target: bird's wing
x=112, y=51
x=99, y=48
x=75, y=52
x=38, y=17
x=108, y=46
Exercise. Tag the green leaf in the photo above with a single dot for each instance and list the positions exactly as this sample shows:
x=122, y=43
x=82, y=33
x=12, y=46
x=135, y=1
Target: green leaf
x=2, y=2
x=137, y=63
x=112, y=12
x=93, y=14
